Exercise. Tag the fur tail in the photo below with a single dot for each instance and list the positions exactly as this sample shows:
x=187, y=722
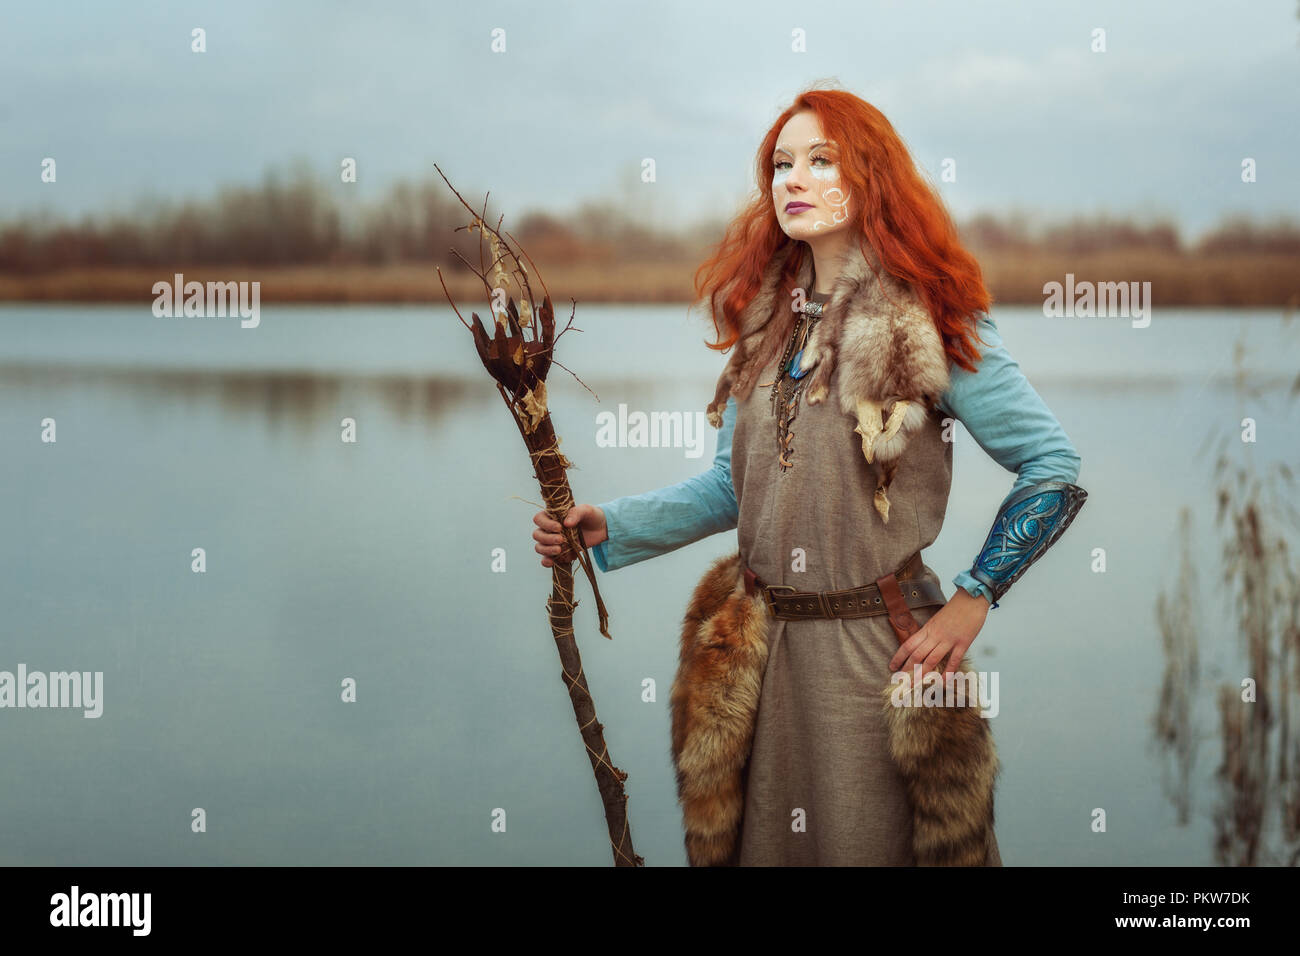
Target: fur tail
x=949, y=765
x=714, y=707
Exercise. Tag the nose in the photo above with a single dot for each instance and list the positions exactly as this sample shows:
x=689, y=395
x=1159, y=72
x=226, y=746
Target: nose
x=794, y=181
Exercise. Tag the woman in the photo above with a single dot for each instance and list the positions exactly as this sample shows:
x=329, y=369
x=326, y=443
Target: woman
x=834, y=463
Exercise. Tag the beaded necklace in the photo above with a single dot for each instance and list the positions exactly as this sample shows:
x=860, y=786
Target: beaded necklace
x=787, y=388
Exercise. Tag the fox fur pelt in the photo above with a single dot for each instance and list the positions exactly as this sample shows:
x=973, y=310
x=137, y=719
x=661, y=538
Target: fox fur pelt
x=945, y=755
x=714, y=705
x=876, y=331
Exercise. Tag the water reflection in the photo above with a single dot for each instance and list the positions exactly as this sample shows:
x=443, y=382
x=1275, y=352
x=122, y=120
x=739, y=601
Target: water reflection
x=1175, y=720
x=333, y=560
x=293, y=397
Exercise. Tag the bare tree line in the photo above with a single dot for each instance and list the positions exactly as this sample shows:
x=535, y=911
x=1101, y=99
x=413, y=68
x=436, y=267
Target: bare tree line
x=298, y=218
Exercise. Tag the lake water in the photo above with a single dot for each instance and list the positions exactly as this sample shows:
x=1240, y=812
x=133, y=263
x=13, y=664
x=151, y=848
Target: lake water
x=373, y=561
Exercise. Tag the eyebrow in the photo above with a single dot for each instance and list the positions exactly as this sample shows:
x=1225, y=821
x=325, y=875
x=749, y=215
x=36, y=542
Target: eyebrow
x=817, y=145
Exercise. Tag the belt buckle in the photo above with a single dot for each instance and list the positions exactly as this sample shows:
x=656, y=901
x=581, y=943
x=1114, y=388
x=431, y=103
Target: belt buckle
x=767, y=594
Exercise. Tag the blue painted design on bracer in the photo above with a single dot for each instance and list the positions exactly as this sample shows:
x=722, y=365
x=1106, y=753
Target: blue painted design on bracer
x=1028, y=524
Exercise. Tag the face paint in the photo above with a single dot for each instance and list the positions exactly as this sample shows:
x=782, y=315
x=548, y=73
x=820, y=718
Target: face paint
x=828, y=172
x=828, y=176
x=838, y=200
x=823, y=188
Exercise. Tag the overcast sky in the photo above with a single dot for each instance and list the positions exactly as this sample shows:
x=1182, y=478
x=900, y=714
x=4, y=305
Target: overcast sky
x=1156, y=125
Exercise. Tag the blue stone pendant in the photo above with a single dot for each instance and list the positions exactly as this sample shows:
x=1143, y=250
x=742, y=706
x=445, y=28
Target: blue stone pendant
x=795, y=372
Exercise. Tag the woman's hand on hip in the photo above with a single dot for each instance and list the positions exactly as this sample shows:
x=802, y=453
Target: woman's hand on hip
x=948, y=633
x=588, y=519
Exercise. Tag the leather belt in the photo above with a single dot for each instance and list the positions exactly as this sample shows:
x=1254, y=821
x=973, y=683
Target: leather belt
x=902, y=591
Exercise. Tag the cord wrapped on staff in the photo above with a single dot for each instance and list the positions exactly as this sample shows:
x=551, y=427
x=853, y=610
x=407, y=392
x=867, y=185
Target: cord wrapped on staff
x=518, y=356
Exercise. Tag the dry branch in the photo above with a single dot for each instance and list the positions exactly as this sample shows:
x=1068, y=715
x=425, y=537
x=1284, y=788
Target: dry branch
x=519, y=364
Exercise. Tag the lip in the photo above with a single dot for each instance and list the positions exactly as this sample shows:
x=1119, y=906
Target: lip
x=793, y=207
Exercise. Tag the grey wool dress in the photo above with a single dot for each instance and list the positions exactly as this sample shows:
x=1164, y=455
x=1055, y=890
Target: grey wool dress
x=821, y=788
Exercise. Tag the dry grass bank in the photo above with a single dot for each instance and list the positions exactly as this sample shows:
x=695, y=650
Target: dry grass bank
x=1014, y=278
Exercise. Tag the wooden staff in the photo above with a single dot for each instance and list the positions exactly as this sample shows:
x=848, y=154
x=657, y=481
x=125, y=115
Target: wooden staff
x=519, y=363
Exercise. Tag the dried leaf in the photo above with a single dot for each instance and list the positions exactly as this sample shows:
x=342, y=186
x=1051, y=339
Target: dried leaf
x=534, y=407
x=500, y=279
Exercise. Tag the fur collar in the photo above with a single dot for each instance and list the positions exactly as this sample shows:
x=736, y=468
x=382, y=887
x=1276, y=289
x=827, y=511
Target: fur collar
x=876, y=331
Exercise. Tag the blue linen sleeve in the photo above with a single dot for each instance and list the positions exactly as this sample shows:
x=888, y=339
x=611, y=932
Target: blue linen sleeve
x=656, y=522
x=1011, y=422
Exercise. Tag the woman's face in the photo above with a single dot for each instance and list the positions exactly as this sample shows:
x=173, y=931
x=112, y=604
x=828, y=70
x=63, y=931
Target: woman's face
x=806, y=186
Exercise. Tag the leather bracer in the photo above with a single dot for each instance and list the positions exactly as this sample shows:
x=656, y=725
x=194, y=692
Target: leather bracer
x=1027, y=525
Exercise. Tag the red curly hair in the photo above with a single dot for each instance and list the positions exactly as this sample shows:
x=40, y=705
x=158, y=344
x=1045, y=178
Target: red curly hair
x=902, y=218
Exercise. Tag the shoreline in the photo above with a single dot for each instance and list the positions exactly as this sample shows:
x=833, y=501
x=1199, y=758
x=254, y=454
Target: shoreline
x=1014, y=279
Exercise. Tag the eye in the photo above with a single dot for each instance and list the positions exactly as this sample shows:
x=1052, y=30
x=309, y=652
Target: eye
x=814, y=161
